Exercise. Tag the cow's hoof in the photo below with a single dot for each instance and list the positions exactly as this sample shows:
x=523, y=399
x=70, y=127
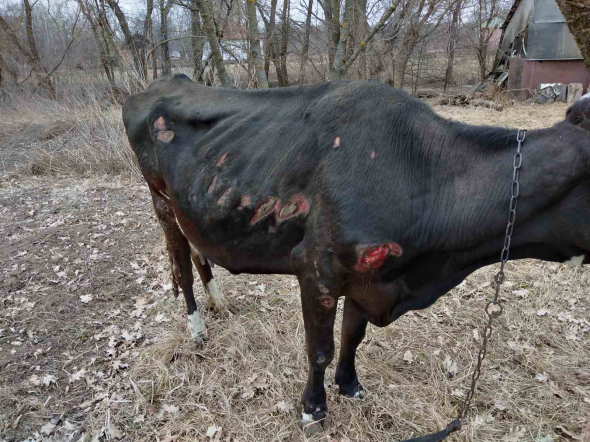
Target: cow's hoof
x=199, y=341
x=313, y=423
x=353, y=390
x=196, y=325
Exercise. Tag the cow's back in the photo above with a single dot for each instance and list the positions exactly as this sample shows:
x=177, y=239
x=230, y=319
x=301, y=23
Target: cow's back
x=247, y=167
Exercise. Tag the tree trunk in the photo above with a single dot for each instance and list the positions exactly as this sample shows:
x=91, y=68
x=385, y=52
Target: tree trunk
x=148, y=35
x=270, y=32
x=46, y=82
x=284, y=45
x=34, y=62
x=577, y=16
x=341, y=62
x=128, y=37
x=305, y=47
x=197, y=42
x=481, y=60
x=104, y=56
x=255, y=49
x=211, y=34
x=407, y=47
x=339, y=67
x=164, y=49
x=453, y=31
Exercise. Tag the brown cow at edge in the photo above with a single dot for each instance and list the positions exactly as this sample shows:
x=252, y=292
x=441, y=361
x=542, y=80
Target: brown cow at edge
x=359, y=190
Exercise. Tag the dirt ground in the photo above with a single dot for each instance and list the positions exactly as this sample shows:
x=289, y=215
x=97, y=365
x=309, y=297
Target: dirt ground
x=93, y=345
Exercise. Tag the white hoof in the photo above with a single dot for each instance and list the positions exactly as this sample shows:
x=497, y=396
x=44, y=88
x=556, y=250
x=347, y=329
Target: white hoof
x=360, y=394
x=310, y=426
x=197, y=328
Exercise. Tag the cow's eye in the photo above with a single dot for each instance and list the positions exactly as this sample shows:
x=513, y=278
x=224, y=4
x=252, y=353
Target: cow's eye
x=577, y=119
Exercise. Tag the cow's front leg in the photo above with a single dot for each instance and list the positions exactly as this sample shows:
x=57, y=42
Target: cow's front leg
x=319, y=312
x=354, y=326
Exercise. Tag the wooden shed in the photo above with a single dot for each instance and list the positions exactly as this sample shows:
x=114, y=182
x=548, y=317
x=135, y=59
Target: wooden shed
x=537, y=47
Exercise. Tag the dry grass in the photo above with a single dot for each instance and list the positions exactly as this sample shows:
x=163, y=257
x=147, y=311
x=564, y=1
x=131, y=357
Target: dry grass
x=536, y=381
x=80, y=134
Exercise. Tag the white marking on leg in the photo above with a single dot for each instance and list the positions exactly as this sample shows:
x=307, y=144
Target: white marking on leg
x=196, y=325
x=193, y=248
x=201, y=259
x=307, y=419
x=360, y=394
x=576, y=261
x=216, y=299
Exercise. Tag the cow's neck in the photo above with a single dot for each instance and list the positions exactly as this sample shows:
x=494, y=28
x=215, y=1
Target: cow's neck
x=476, y=167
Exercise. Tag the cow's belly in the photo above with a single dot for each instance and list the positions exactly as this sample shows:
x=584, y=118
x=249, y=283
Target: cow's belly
x=245, y=235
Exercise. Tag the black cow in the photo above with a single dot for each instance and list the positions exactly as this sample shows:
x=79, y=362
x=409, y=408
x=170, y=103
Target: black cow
x=356, y=188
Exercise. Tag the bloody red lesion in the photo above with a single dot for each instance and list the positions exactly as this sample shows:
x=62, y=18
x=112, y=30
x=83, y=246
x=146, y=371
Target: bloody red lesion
x=160, y=124
x=372, y=257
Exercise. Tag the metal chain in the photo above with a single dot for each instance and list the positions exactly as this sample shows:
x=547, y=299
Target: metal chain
x=494, y=303
x=493, y=308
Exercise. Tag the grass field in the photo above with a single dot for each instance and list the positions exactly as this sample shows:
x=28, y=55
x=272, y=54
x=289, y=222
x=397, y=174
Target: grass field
x=93, y=345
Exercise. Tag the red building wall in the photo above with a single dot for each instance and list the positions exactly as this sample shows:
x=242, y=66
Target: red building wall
x=526, y=75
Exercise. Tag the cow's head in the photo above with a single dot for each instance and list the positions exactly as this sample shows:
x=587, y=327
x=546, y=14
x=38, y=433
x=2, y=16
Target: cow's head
x=579, y=113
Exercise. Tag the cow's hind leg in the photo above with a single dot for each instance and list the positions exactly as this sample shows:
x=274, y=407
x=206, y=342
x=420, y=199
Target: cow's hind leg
x=215, y=299
x=354, y=326
x=180, y=258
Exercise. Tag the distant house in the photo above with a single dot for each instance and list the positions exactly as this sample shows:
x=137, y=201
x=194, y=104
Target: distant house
x=174, y=55
x=234, y=45
x=537, y=47
x=493, y=29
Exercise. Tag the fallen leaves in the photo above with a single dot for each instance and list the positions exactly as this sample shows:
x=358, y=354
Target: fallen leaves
x=283, y=407
x=85, y=299
x=212, y=431
x=45, y=380
x=408, y=357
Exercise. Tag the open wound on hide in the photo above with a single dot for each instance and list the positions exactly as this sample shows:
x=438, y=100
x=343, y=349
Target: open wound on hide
x=223, y=198
x=212, y=184
x=372, y=257
x=222, y=159
x=264, y=209
x=161, y=133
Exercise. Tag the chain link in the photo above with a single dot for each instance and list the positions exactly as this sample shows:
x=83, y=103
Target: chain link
x=493, y=308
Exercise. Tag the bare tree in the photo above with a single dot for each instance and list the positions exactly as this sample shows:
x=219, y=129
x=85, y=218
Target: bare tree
x=577, y=16
x=31, y=57
x=210, y=32
x=106, y=59
x=254, y=40
x=487, y=11
x=453, y=32
x=341, y=62
x=417, y=19
x=164, y=48
x=130, y=43
x=332, y=16
x=305, y=47
x=270, y=28
x=197, y=42
x=148, y=36
x=283, y=78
